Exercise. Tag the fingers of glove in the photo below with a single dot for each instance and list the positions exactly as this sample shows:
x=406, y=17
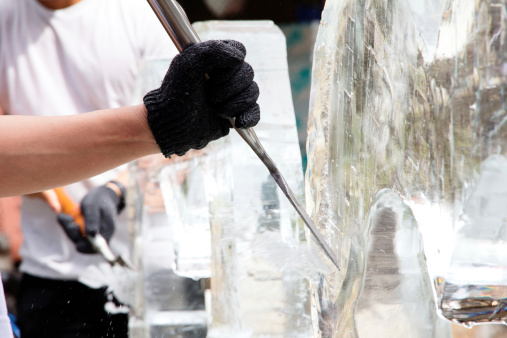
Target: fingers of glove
x=221, y=89
x=249, y=118
x=70, y=227
x=216, y=128
x=95, y=205
x=237, y=45
x=240, y=103
x=91, y=214
x=107, y=225
x=218, y=74
x=85, y=247
x=220, y=129
x=201, y=58
x=74, y=233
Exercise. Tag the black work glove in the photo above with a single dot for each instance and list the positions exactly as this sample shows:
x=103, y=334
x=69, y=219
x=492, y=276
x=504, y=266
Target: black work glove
x=188, y=110
x=99, y=208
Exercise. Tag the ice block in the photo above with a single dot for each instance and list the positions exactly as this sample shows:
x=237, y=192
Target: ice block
x=256, y=289
x=390, y=160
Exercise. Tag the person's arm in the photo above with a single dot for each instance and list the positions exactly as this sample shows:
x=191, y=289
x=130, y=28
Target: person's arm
x=186, y=112
x=38, y=153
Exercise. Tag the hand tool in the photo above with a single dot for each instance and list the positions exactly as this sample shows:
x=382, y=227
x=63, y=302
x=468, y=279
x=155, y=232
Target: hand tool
x=98, y=242
x=173, y=18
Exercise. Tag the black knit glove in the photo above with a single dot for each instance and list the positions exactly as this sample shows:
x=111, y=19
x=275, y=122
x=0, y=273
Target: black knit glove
x=188, y=111
x=99, y=208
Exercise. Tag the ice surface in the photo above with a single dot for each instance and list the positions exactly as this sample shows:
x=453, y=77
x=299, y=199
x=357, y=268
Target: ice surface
x=257, y=288
x=392, y=109
x=426, y=16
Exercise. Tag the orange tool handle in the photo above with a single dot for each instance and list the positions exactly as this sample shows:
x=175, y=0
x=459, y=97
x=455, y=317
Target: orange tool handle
x=69, y=206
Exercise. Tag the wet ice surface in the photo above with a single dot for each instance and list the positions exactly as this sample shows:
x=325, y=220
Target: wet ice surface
x=392, y=109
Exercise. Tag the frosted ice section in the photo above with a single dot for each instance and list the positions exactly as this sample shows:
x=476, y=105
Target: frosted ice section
x=258, y=282
x=167, y=304
x=397, y=106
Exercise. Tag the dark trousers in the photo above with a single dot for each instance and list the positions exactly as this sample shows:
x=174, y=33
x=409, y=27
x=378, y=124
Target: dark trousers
x=63, y=309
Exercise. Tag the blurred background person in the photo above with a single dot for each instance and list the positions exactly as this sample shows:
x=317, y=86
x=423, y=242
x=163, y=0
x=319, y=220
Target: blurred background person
x=62, y=57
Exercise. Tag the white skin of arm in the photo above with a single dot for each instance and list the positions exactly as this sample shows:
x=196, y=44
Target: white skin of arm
x=38, y=153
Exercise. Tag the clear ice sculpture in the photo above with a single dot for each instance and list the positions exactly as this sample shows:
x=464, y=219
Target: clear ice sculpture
x=407, y=138
x=259, y=285
x=363, y=163
x=166, y=303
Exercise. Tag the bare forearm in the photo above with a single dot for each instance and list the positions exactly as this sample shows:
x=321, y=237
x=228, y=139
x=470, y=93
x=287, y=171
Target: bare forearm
x=37, y=153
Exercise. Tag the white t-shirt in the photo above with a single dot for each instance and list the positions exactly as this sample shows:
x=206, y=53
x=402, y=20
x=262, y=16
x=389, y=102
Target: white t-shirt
x=64, y=62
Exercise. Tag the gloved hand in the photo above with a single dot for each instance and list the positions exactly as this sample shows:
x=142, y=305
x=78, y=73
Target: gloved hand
x=188, y=110
x=99, y=208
